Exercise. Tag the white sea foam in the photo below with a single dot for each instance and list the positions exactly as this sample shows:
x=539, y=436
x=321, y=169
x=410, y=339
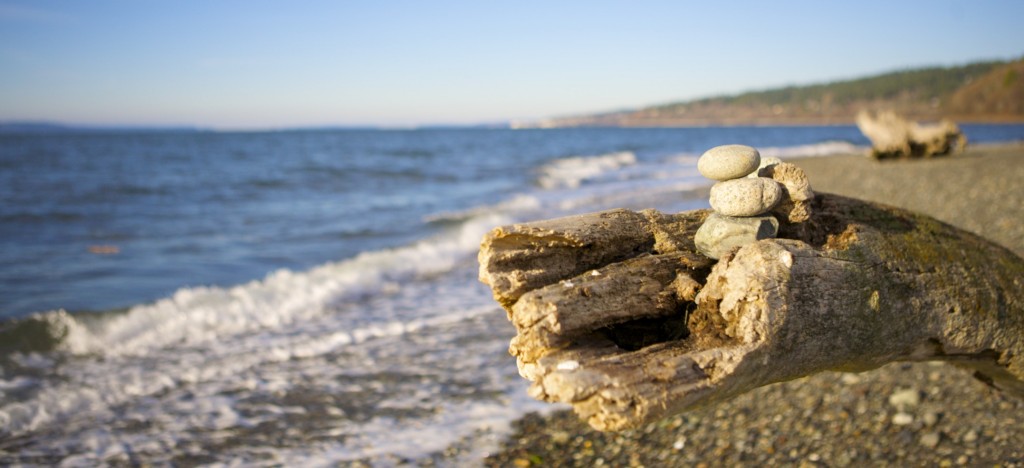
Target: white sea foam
x=517, y=204
x=187, y=367
x=571, y=172
x=480, y=427
x=119, y=379
x=828, y=148
x=614, y=180
x=193, y=316
x=174, y=360
x=619, y=181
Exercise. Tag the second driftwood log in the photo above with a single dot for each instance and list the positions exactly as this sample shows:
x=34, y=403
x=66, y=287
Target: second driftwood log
x=617, y=315
x=895, y=137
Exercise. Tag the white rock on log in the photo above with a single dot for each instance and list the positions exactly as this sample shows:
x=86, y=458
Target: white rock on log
x=746, y=197
x=728, y=162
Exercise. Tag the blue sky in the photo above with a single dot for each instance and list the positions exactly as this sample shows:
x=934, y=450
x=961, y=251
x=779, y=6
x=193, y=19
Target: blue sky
x=262, y=64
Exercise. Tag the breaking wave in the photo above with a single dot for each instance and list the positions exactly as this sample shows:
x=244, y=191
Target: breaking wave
x=196, y=315
x=827, y=148
x=571, y=172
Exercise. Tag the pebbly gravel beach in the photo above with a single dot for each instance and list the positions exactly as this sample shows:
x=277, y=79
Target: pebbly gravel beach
x=902, y=414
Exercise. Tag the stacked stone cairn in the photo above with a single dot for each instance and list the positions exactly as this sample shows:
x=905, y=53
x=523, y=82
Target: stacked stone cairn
x=750, y=194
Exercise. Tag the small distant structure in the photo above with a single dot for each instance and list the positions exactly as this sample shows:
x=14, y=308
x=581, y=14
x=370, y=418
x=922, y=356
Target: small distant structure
x=893, y=136
x=104, y=249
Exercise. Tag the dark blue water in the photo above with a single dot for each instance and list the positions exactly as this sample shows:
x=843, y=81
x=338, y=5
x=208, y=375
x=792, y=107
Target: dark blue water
x=184, y=209
x=189, y=208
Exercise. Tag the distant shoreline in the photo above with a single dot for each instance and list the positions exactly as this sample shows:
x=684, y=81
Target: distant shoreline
x=15, y=129
x=982, y=92
x=691, y=123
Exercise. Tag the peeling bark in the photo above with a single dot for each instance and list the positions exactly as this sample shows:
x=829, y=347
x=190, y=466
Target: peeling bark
x=617, y=315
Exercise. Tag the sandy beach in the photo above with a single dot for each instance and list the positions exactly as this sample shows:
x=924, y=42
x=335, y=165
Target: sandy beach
x=901, y=414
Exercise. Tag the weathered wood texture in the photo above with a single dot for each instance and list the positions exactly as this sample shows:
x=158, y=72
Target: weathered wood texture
x=616, y=315
x=894, y=137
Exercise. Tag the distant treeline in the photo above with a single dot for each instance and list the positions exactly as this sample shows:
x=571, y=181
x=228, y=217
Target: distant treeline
x=925, y=83
x=990, y=91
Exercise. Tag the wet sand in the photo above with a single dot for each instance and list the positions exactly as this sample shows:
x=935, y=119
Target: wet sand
x=901, y=414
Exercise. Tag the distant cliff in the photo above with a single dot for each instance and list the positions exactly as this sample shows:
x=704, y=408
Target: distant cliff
x=978, y=92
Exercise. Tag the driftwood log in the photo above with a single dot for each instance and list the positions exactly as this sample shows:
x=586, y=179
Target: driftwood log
x=895, y=137
x=617, y=315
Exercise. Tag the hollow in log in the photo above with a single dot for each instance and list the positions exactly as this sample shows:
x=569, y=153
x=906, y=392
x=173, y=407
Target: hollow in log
x=617, y=315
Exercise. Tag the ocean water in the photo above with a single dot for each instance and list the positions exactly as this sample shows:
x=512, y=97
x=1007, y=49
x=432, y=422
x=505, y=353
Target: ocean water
x=302, y=297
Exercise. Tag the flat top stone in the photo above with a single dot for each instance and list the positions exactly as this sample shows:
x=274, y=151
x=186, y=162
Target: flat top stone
x=728, y=162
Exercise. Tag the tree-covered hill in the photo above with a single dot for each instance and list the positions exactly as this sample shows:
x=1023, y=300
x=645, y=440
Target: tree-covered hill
x=978, y=92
